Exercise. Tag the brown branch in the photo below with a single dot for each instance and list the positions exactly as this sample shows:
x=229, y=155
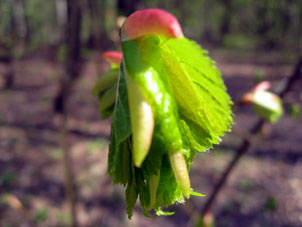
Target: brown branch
x=73, y=64
x=72, y=71
x=68, y=171
x=246, y=145
x=243, y=149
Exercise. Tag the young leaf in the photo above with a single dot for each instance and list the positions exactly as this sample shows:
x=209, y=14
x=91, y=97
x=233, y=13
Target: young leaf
x=142, y=121
x=170, y=102
x=160, y=212
x=205, y=106
x=105, y=82
x=120, y=128
x=107, y=99
x=196, y=194
x=106, y=86
x=180, y=171
x=145, y=72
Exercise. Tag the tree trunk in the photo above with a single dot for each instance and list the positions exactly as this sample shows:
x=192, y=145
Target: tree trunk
x=98, y=36
x=27, y=25
x=7, y=47
x=126, y=7
x=72, y=71
x=226, y=19
x=73, y=66
x=61, y=19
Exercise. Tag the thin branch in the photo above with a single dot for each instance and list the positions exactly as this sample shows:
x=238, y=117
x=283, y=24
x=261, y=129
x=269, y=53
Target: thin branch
x=68, y=171
x=246, y=145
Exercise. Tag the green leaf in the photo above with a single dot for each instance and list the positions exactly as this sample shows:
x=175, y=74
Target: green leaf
x=107, y=98
x=196, y=193
x=191, y=112
x=143, y=66
x=142, y=120
x=131, y=197
x=105, y=81
x=160, y=212
x=120, y=128
x=105, y=88
x=199, y=90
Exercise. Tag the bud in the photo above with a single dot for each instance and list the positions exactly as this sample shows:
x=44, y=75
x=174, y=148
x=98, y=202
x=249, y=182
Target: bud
x=266, y=104
x=113, y=57
x=179, y=167
x=142, y=121
x=151, y=21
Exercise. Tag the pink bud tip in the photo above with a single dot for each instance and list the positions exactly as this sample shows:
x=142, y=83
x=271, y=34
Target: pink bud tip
x=151, y=21
x=248, y=97
x=113, y=57
x=262, y=86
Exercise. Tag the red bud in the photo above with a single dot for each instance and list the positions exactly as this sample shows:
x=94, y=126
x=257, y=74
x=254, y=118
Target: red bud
x=262, y=86
x=113, y=57
x=151, y=21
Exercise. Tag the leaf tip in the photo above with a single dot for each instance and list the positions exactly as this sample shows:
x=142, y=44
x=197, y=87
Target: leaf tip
x=179, y=167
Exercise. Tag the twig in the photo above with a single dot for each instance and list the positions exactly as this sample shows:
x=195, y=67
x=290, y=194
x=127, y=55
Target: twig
x=72, y=71
x=246, y=145
x=69, y=178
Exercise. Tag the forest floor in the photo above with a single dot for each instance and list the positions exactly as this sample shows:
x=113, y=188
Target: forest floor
x=264, y=190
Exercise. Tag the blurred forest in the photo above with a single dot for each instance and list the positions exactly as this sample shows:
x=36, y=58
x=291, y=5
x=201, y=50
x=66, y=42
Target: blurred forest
x=26, y=26
x=52, y=139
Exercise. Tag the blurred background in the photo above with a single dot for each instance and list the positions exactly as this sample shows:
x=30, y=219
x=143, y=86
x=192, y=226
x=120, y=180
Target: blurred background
x=51, y=130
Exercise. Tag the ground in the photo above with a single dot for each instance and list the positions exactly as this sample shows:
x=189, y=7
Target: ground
x=264, y=189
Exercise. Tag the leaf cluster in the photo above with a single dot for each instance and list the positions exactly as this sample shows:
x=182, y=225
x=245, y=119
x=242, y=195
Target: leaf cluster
x=192, y=111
